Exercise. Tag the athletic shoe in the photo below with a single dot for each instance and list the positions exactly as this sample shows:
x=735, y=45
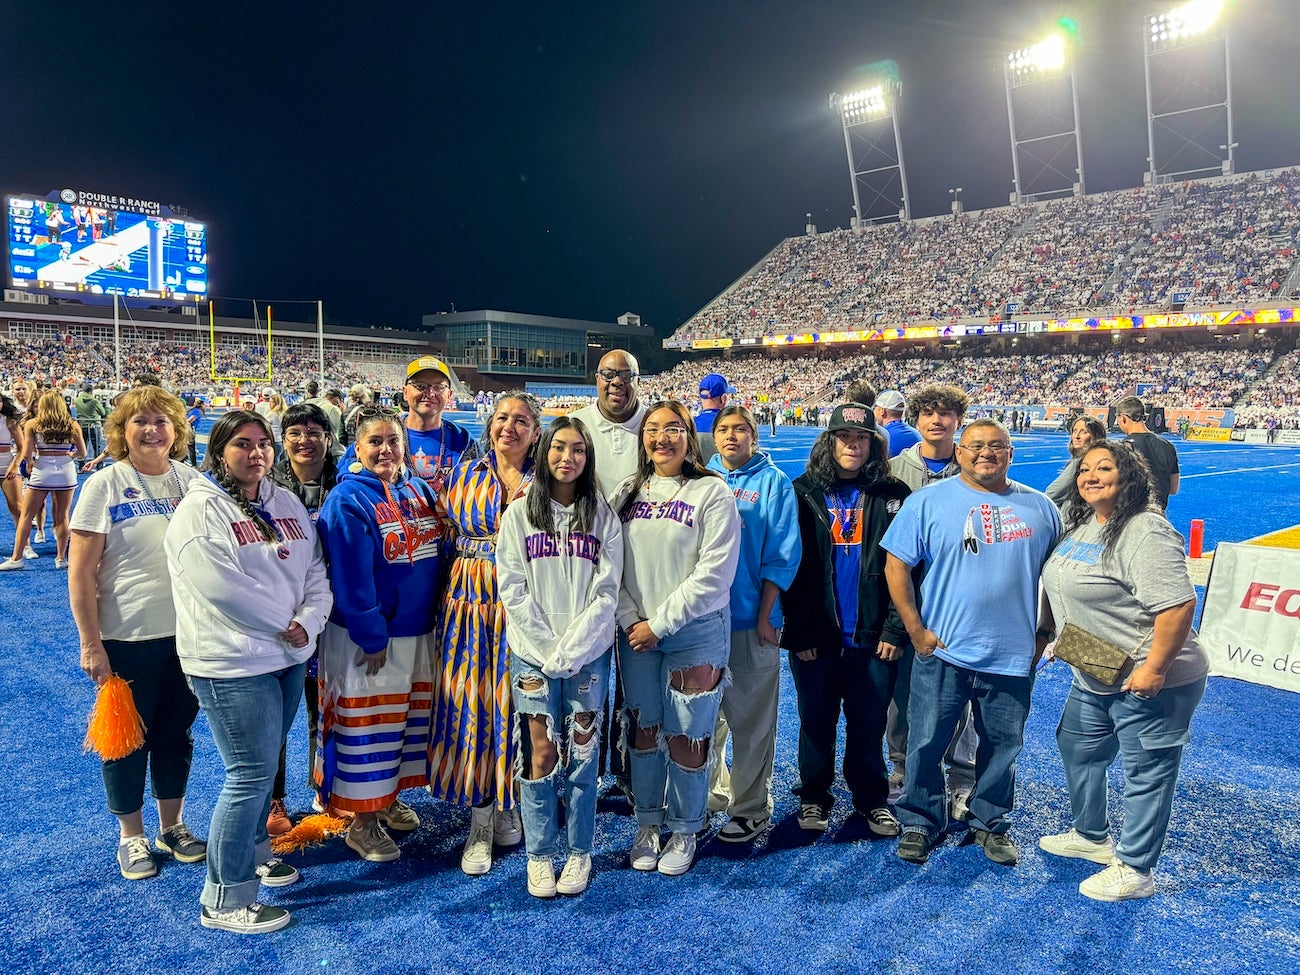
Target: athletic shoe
x=541, y=877
x=399, y=816
x=1119, y=882
x=896, y=779
x=644, y=854
x=30, y=553
x=253, y=919
x=181, y=844
x=40, y=535
x=506, y=828
x=914, y=847
x=278, y=821
x=60, y=563
x=678, y=855
x=1071, y=844
x=371, y=841
x=134, y=859
x=11, y=565
x=276, y=873
x=959, y=808
x=742, y=830
x=814, y=816
x=998, y=847
x=477, y=856
x=576, y=874
x=881, y=821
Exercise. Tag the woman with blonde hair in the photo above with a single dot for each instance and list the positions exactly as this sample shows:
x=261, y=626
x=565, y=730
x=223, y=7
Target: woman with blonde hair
x=52, y=443
x=122, y=602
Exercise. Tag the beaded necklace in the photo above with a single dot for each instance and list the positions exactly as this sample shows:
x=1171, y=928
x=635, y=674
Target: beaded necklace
x=848, y=512
x=681, y=484
x=172, y=478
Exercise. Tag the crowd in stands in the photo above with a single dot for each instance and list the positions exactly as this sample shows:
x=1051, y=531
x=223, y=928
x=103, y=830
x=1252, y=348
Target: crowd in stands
x=1223, y=242
x=1277, y=399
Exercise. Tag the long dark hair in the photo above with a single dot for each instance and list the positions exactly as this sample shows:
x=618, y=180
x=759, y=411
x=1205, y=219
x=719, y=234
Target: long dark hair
x=1093, y=426
x=223, y=431
x=538, y=499
x=8, y=408
x=825, y=473
x=1137, y=492
x=692, y=466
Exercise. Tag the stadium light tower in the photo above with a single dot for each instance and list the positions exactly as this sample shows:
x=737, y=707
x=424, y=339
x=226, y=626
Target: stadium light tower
x=1189, y=92
x=869, y=116
x=1043, y=116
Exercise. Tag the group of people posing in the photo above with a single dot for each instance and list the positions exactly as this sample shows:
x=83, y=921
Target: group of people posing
x=460, y=616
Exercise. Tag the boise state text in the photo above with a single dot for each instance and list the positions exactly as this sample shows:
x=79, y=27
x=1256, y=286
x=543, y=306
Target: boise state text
x=542, y=545
x=682, y=512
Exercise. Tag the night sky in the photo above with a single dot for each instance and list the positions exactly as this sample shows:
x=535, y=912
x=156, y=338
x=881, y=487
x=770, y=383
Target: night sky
x=569, y=159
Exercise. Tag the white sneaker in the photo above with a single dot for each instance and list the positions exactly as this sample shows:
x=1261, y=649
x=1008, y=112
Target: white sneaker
x=541, y=877
x=40, y=535
x=30, y=553
x=1071, y=844
x=12, y=565
x=576, y=874
x=1119, y=882
x=60, y=563
x=645, y=848
x=678, y=855
x=506, y=829
x=477, y=858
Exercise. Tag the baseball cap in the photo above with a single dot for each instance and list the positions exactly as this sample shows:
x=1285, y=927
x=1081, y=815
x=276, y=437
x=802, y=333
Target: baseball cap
x=427, y=362
x=852, y=416
x=714, y=385
x=891, y=399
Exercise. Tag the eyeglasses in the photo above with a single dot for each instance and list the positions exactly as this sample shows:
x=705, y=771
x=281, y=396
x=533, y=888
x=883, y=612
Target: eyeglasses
x=442, y=389
x=978, y=448
x=310, y=436
x=609, y=375
x=671, y=433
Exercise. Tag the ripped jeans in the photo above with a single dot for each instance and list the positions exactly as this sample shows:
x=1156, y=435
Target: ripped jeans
x=559, y=700
x=668, y=793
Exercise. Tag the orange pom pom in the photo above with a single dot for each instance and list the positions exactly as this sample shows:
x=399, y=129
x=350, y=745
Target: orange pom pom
x=115, y=728
x=309, y=832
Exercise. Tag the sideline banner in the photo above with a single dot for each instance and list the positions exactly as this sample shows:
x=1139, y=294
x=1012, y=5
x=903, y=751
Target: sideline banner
x=1251, y=624
x=1214, y=434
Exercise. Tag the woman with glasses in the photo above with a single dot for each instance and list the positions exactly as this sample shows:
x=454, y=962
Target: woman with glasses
x=251, y=595
x=1120, y=574
x=559, y=560
x=473, y=734
x=1084, y=432
x=382, y=538
x=122, y=602
x=842, y=632
x=681, y=543
x=303, y=468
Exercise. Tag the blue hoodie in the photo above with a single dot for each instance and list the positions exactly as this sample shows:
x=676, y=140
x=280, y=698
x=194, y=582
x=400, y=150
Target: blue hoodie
x=769, y=537
x=383, y=564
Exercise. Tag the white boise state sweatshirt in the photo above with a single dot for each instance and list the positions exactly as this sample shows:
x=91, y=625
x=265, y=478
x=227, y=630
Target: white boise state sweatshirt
x=234, y=591
x=559, y=591
x=681, y=543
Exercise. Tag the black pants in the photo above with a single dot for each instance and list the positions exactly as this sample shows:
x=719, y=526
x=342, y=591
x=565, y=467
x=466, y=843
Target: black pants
x=859, y=683
x=311, y=693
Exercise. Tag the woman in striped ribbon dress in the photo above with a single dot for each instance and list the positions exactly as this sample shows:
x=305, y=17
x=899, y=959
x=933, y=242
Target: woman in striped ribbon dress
x=382, y=539
x=474, y=740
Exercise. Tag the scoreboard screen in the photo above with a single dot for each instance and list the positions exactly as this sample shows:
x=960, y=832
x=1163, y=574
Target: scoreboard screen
x=88, y=250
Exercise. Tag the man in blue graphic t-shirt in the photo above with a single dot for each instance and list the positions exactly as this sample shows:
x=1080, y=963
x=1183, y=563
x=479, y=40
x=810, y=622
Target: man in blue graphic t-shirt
x=983, y=540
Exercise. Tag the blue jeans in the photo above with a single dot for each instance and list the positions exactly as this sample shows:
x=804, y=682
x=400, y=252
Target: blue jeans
x=999, y=706
x=559, y=700
x=1150, y=734
x=249, y=717
x=668, y=793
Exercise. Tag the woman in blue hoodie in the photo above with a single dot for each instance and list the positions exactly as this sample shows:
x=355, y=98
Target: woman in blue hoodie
x=381, y=539
x=769, y=556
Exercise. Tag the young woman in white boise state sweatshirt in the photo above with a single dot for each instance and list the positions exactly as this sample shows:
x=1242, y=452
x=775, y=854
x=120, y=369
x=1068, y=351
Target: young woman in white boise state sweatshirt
x=559, y=564
x=251, y=596
x=681, y=543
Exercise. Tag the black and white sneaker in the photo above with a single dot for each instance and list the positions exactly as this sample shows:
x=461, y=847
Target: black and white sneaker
x=276, y=873
x=254, y=919
x=814, y=816
x=742, y=830
x=881, y=821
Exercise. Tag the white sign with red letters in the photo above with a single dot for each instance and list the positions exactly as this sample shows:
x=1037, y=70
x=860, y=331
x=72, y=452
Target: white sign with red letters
x=1251, y=624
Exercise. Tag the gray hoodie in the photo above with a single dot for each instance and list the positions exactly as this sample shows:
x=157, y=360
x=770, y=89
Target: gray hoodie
x=909, y=467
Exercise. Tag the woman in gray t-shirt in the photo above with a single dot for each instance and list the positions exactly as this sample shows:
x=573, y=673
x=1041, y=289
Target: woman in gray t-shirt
x=1119, y=573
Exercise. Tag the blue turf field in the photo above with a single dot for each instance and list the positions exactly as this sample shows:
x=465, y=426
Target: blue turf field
x=839, y=903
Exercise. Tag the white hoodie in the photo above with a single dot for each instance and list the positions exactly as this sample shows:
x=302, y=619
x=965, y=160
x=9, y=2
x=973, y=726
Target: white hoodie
x=681, y=541
x=234, y=592
x=559, y=591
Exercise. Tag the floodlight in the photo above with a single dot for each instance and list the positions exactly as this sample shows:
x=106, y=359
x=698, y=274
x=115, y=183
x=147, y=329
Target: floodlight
x=863, y=105
x=1047, y=55
x=1184, y=22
